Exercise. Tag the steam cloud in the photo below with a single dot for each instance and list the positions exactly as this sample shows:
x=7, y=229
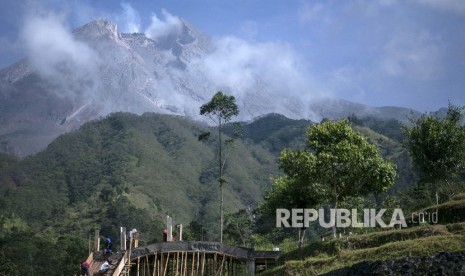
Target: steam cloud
x=238, y=64
x=159, y=29
x=58, y=57
x=131, y=19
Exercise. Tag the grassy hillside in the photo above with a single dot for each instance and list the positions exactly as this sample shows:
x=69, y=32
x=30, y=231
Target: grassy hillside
x=323, y=257
x=425, y=240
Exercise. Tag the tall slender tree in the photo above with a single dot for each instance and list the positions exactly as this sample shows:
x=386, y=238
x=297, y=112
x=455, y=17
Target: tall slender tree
x=220, y=109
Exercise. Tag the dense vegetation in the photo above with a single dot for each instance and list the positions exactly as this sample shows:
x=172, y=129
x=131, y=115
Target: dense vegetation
x=437, y=147
x=129, y=170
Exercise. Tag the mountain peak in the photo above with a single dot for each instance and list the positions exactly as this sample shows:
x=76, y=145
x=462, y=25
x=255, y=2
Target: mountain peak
x=98, y=28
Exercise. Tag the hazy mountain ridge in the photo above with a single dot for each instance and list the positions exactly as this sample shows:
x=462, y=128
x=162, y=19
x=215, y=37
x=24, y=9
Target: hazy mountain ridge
x=113, y=72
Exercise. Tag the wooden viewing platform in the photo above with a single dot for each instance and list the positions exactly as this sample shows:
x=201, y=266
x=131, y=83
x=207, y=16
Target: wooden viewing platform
x=189, y=258
x=178, y=258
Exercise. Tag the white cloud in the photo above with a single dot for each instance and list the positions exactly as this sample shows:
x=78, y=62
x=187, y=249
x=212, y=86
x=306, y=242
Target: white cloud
x=159, y=29
x=413, y=56
x=243, y=66
x=57, y=56
x=130, y=19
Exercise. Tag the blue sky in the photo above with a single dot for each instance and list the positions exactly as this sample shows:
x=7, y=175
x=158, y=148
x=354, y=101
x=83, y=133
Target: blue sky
x=408, y=53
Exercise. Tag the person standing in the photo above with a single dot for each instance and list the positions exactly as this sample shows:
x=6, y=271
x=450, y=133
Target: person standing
x=85, y=268
x=108, y=243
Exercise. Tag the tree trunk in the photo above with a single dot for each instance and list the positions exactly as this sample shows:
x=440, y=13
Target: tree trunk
x=221, y=213
x=435, y=191
x=220, y=164
x=301, y=236
x=334, y=226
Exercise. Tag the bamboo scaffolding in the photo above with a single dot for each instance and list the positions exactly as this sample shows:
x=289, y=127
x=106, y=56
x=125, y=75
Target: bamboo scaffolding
x=185, y=263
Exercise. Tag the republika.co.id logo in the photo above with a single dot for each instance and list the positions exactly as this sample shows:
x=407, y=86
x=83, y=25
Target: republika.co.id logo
x=298, y=218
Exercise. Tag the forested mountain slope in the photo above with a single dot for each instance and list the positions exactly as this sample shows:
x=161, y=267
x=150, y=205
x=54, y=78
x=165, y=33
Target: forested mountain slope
x=155, y=164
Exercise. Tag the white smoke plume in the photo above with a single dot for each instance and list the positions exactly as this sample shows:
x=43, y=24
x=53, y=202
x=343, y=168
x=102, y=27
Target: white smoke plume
x=130, y=18
x=169, y=25
x=58, y=57
x=238, y=64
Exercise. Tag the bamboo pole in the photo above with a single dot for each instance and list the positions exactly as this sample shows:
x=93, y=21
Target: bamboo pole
x=147, y=264
x=96, y=241
x=138, y=263
x=181, y=268
x=173, y=264
x=177, y=263
x=182, y=263
x=193, y=263
x=214, y=262
x=198, y=264
x=203, y=263
x=159, y=265
x=143, y=267
x=162, y=264
x=222, y=264
x=185, y=265
x=166, y=266
x=220, y=269
x=154, y=264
